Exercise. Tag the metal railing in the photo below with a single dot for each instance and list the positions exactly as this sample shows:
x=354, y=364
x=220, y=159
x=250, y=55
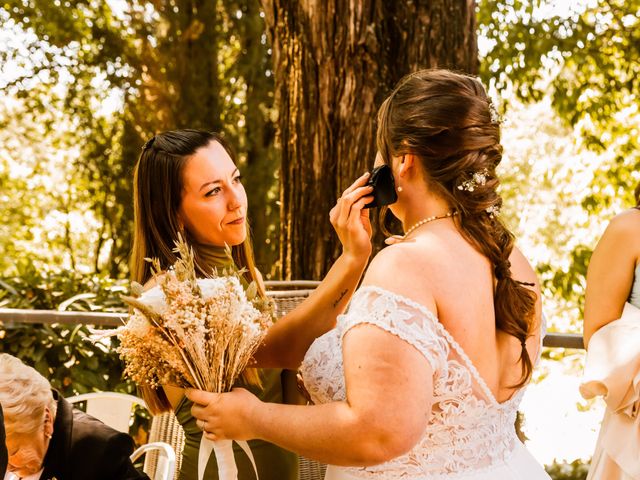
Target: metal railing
x=275, y=289
x=12, y=315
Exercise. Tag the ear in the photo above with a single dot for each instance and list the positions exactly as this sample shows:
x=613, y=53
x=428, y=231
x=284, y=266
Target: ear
x=406, y=165
x=48, y=422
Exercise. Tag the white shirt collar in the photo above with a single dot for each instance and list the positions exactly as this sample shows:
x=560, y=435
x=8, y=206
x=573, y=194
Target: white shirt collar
x=13, y=476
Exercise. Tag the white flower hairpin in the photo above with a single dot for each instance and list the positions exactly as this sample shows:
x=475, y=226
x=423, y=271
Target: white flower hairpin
x=495, y=115
x=477, y=179
x=493, y=210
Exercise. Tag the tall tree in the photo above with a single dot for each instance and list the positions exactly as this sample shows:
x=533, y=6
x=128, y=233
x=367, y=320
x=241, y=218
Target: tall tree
x=334, y=63
x=585, y=60
x=171, y=64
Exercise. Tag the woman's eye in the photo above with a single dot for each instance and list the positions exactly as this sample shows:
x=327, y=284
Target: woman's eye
x=238, y=179
x=213, y=191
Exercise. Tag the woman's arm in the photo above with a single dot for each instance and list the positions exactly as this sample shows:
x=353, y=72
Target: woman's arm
x=610, y=272
x=389, y=392
x=292, y=335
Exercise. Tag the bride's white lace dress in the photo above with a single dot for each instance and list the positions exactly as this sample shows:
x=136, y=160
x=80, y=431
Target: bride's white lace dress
x=469, y=434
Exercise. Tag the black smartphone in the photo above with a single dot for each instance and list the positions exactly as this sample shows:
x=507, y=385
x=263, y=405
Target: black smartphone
x=384, y=188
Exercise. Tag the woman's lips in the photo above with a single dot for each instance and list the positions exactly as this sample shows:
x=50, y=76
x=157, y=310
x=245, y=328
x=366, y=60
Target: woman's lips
x=238, y=221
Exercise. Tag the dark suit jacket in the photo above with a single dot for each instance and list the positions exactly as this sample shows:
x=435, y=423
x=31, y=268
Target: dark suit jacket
x=84, y=448
x=3, y=447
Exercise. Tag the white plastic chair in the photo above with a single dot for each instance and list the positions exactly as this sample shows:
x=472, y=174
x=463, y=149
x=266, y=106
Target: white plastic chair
x=165, y=461
x=111, y=408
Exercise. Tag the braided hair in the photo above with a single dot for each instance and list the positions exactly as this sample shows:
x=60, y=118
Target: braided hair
x=447, y=121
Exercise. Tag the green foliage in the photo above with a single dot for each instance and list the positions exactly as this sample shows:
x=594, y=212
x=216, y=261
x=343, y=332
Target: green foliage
x=576, y=470
x=64, y=354
x=586, y=61
x=47, y=207
x=114, y=74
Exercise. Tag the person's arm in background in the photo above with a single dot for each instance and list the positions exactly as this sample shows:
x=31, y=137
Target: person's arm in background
x=610, y=272
x=3, y=447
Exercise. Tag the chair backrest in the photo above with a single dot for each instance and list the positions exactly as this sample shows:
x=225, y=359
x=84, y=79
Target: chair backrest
x=111, y=408
x=164, y=467
x=165, y=429
x=285, y=301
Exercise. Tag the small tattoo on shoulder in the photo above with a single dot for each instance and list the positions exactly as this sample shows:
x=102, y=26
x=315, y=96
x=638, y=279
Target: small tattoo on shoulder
x=342, y=294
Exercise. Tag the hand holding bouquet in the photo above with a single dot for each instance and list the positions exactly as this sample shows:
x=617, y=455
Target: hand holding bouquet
x=194, y=333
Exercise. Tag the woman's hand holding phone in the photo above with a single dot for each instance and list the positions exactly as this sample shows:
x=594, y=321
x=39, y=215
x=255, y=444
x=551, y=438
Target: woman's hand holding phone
x=351, y=220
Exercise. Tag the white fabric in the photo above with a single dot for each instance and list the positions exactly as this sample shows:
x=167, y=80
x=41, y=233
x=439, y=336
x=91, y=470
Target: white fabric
x=13, y=476
x=469, y=434
x=612, y=369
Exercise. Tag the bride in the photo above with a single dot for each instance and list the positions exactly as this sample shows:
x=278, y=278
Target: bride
x=422, y=376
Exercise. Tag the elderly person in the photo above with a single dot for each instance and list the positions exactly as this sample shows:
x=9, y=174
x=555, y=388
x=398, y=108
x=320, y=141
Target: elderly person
x=46, y=438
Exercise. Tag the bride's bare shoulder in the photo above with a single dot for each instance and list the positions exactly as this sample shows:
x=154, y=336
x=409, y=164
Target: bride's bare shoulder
x=388, y=263
x=626, y=223
x=406, y=270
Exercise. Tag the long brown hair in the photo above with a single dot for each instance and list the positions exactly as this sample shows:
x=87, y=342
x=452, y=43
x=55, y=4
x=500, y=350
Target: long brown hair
x=446, y=120
x=636, y=193
x=157, y=195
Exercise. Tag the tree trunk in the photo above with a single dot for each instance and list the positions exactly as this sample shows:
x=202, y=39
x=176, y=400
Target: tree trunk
x=334, y=63
x=197, y=82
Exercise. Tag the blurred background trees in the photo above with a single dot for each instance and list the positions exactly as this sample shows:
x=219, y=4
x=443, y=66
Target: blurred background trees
x=581, y=60
x=85, y=83
x=99, y=78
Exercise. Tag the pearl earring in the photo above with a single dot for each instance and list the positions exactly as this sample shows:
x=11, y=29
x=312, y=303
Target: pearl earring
x=399, y=189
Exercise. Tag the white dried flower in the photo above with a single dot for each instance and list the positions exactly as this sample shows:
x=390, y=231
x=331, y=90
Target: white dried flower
x=190, y=332
x=154, y=298
x=477, y=179
x=495, y=115
x=493, y=211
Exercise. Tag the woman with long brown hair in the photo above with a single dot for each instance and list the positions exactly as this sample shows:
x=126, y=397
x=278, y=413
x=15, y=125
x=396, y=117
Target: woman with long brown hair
x=187, y=184
x=422, y=377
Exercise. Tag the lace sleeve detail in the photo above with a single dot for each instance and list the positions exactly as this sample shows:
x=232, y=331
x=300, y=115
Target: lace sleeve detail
x=403, y=318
